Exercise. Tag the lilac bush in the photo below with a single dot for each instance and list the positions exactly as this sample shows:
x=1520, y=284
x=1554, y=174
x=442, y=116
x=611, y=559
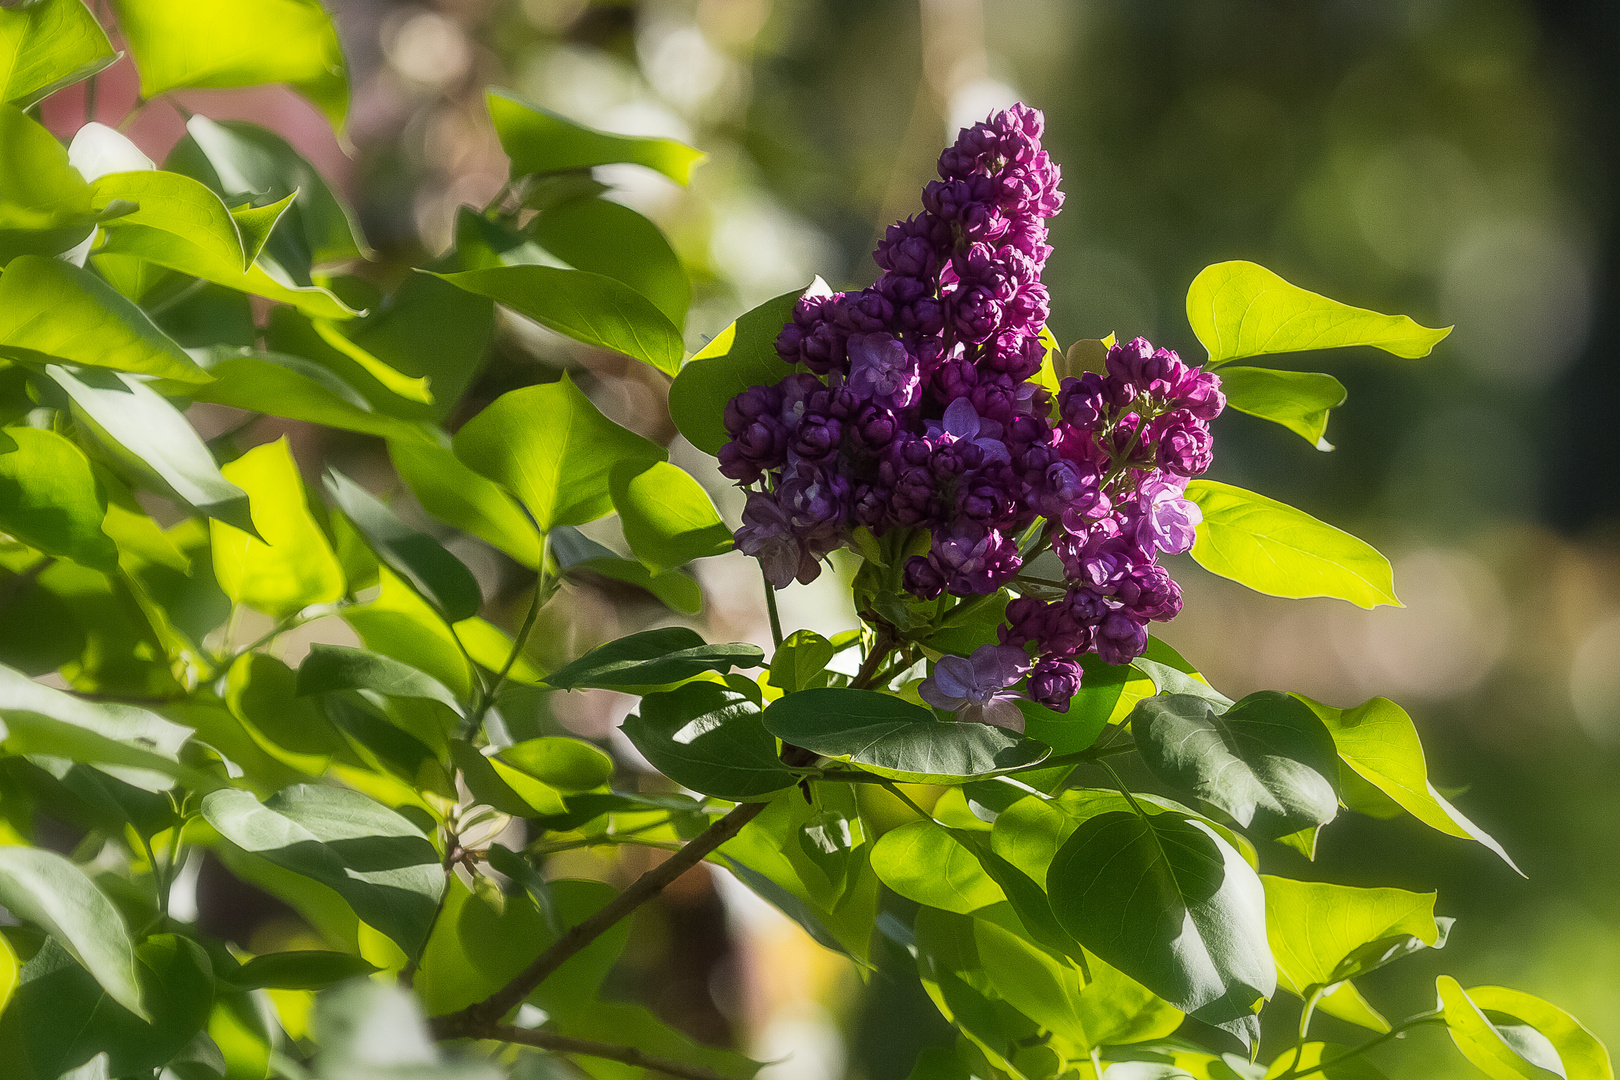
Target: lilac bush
x=914, y=405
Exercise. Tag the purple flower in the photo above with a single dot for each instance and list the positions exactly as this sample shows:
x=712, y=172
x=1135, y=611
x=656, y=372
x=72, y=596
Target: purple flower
x=1053, y=682
x=1120, y=639
x=1185, y=445
x=881, y=370
x=975, y=687
x=964, y=424
x=767, y=536
x=1168, y=520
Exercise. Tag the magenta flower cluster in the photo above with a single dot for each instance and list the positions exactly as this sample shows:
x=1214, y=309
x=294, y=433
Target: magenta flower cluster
x=914, y=409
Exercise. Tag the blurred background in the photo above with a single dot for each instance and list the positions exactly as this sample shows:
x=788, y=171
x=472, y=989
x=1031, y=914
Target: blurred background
x=1454, y=160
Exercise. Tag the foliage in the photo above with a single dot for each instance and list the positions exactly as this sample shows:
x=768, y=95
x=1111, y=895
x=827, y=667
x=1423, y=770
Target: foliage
x=374, y=790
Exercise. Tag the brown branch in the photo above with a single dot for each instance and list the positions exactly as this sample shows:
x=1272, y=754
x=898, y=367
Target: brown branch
x=477, y=1020
x=629, y=1055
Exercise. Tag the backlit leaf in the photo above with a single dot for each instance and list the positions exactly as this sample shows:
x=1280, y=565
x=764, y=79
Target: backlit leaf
x=332, y=668
x=738, y=357
x=1482, y=1043
x=47, y=45
x=475, y=504
x=49, y=498
x=1240, y=309
x=668, y=518
x=1298, y=400
x=45, y=205
x=566, y=764
x=923, y=861
x=1275, y=549
x=1582, y=1056
x=312, y=969
x=540, y=142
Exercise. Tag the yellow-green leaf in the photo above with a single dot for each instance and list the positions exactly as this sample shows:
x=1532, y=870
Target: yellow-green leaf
x=293, y=566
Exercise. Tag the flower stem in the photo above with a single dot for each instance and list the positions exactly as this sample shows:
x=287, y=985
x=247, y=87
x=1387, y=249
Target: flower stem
x=770, y=608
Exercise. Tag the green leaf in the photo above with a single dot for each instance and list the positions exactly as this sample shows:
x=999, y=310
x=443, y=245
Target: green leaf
x=566, y=764
x=1482, y=1043
x=400, y=624
x=46, y=889
x=130, y=743
x=1581, y=1055
x=293, y=565
x=222, y=43
x=49, y=498
x=8, y=972
x=952, y=973
x=668, y=518
x=238, y=159
x=801, y=662
x=1278, y=550
x=708, y=737
x=333, y=668
x=47, y=45
x=1298, y=400
x=1266, y=761
x=153, y=439
x=1171, y=904
x=652, y=658
x=52, y=310
x=312, y=969
x=1239, y=309
x=587, y=307
x=923, y=861
x=181, y=225
x=456, y=495
x=45, y=205
x=1312, y=1054
x=374, y=858
x=439, y=576
x=541, y=142
x=366, y=1028
x=891, y=737
x=552, y=448
x=614, y=241
x=297, y=389
x=577, y=554
x=738, y=357
x=1322, y=934
x=1378, y=740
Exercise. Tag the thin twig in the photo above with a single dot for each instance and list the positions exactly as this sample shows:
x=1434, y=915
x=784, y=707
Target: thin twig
x=487, y=699
x=478, y=1018
x=1393, y=1033
x=629, y=1055
x=770, y=607
x=881, y=646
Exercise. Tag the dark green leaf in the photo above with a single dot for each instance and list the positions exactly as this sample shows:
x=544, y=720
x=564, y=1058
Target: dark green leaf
x=540, y=142
x=331, y=668
x=565, y=764
x=438, y=575
x=1267, y=761
x=708, y=737
x=1239, y=309
x=578, y=554
x=49, y=498
x=587, y=307
x=203, y=43
x=668, y=518
x=652, y=658
x=615, y=241
x=312, y=969
x=552, y=448
x=47, y=45
x=152, y=437
x=47, y=890
x=740, y=356
x=894, y=738
x=1168, y=902
x=1278, y=550
x=372, y=857
x=1298, y=400
x=52, y=310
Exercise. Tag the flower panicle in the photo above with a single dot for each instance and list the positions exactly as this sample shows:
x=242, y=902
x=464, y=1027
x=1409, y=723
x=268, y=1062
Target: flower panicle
x=912, y=406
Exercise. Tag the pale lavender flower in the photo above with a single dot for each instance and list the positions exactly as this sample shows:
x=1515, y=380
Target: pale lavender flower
x=1169, y=520
x=975, y=687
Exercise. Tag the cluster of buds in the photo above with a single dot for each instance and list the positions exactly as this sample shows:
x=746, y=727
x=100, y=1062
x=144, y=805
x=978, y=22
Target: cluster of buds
x=912, y=407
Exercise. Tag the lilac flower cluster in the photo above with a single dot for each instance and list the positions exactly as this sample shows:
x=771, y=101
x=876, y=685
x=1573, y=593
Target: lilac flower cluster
x=914, y=409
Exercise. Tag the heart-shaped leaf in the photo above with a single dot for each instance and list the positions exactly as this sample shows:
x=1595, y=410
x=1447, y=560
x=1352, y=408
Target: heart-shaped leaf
x=708, y=737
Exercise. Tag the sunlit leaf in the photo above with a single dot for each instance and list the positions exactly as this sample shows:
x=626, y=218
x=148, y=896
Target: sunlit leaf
x=1239, y=309
x=1485, y=1046
x=1580, y=1054
x=614, y=241
x=587, y=307
x=668, y=518
x=801, y=661
x=894, y=738
x=297, y=389
x=540, y=142
x=708, y=737
x=46, y=889
x=374, y=858
x=45, y=205
x=220, y=43
x=312, y=969
x=1275, y=549
x=577, y=555
x=47, y=45
x=458, y=496
x=923, y=861
x=1312, y=1054
x=567, y=764
x=293, y=565
x=331, y=668
x=1298, y=400
x=49, y=498
x=738, y=357
x=1379, y=742
x=553, y=448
